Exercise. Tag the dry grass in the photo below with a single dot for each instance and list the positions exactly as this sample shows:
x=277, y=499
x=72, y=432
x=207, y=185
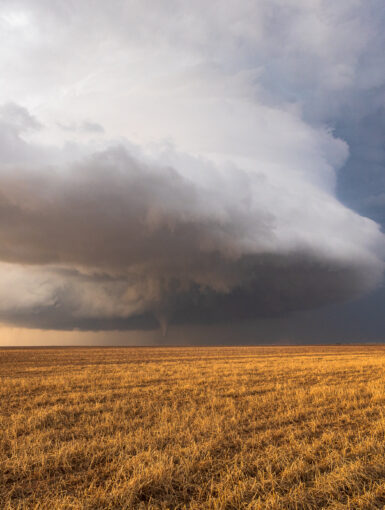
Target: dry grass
x=194, y=428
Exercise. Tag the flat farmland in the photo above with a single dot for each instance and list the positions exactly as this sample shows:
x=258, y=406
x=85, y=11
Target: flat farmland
x=193, y=428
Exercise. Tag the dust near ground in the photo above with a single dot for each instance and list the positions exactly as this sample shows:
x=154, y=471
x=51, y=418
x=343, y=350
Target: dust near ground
x=193, y=428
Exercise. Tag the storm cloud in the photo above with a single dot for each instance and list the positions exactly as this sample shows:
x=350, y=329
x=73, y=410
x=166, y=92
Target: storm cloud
x=208, y=193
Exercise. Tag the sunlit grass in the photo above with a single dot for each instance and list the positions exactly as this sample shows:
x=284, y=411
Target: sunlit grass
x=194, y=428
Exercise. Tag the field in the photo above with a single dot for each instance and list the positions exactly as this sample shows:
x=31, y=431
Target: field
x=193, y=428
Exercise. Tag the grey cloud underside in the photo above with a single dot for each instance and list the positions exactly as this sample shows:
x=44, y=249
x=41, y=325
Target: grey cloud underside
x=268, y=286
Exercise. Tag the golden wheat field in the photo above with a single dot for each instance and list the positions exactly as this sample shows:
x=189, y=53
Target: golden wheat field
x=193, y=428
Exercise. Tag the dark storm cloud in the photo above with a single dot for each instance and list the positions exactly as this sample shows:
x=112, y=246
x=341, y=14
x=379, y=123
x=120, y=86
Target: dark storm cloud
x=274, y=112
x=114, y=241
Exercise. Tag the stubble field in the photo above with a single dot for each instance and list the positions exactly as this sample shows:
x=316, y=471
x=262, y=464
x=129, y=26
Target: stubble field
x=193, y=428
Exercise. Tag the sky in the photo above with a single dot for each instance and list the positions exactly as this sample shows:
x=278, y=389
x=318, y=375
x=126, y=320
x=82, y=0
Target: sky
x=192, y=172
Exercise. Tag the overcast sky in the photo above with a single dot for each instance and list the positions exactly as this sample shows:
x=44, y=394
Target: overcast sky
x=214, y=168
